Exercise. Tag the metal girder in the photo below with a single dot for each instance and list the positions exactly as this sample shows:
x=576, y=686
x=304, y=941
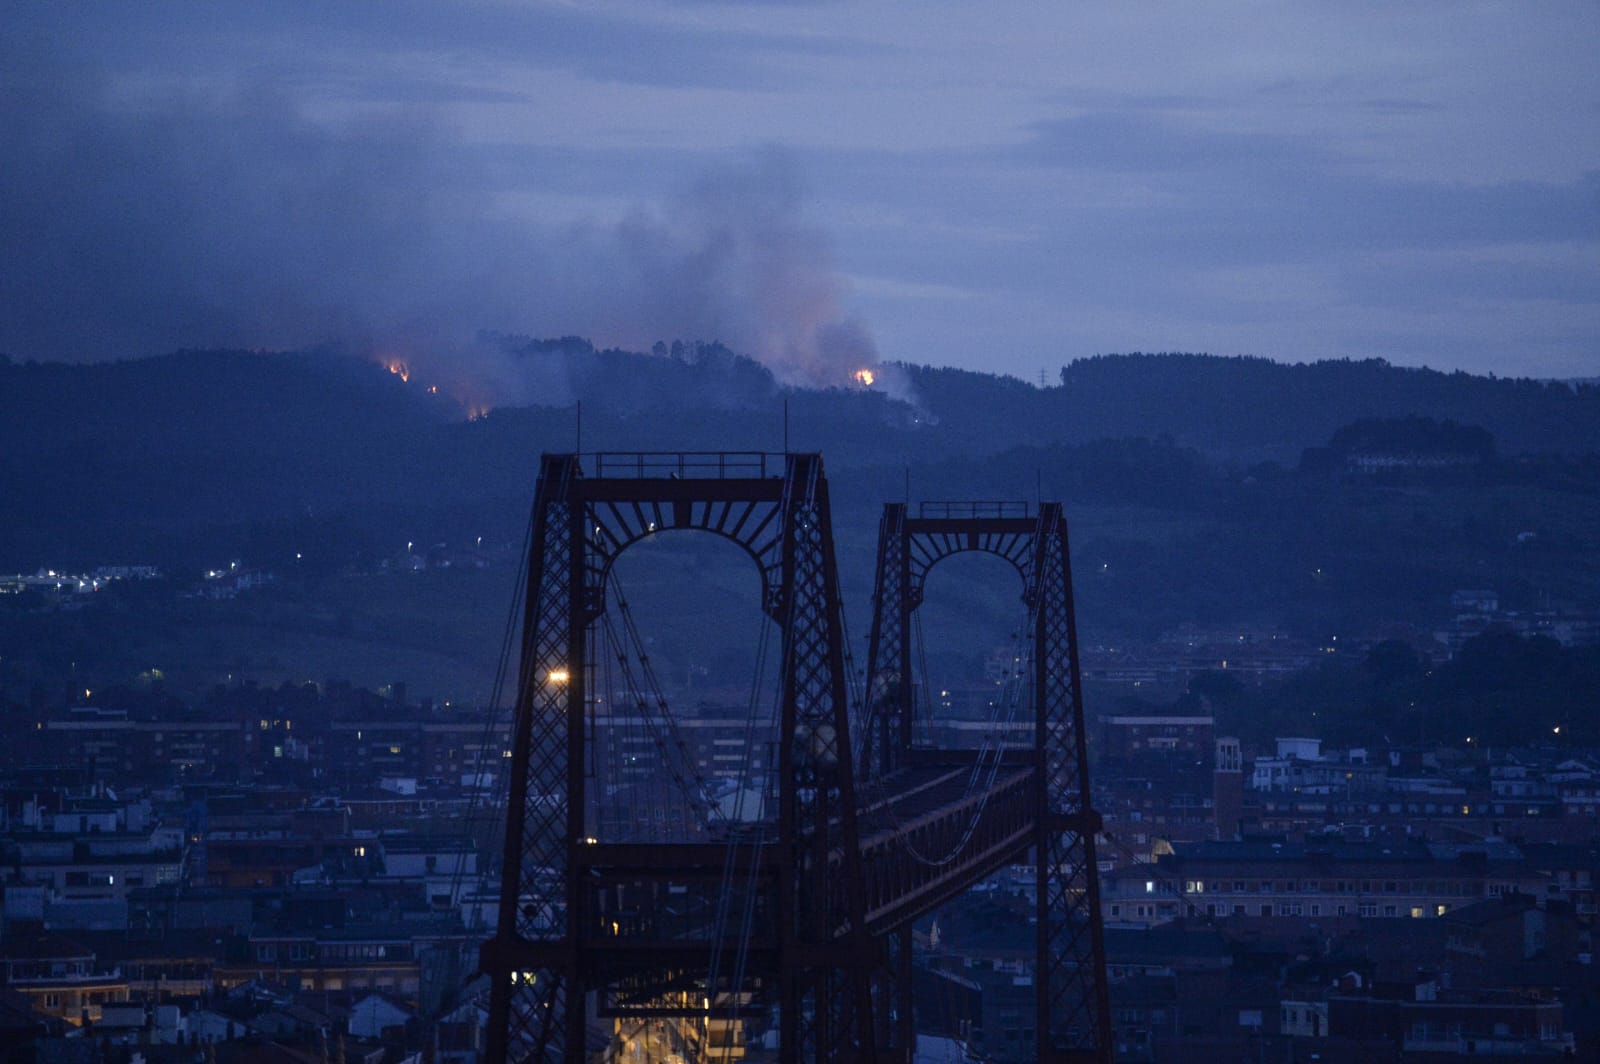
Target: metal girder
x=917, y=860
x=826, y=1008
x=1047, y=808
x=1074, y=1009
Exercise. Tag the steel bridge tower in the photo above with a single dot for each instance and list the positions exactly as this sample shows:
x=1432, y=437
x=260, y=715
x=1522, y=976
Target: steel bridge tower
x=1073, y=1015
x=590, y=928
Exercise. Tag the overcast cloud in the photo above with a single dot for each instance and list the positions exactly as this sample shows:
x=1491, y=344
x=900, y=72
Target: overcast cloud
x=1000, y=187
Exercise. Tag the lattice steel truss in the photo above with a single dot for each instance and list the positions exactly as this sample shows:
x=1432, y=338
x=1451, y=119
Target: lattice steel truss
x=1073, y=1012
x=552, y=962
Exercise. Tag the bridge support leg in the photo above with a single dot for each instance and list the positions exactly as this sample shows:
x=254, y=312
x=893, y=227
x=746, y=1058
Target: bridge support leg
x=905, y=998
x=1074, y=1009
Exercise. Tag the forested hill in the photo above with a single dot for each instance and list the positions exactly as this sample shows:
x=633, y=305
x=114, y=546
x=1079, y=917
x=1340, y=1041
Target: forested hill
x=132, y=454
x=1229, y=404
x=1231, y=409
x=1245, y=409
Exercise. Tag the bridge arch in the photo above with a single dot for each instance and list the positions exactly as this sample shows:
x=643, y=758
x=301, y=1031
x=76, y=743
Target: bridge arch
x=925, y=550
x=754, y=526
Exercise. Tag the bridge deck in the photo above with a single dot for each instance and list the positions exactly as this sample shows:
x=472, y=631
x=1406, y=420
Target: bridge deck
x=929, y=832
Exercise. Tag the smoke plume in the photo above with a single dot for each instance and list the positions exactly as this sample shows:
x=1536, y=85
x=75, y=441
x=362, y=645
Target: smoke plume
x=142, y=222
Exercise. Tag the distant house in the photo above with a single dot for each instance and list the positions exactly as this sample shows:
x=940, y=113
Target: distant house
x=420, y=856
x=158, y=1025
x=459, y=1035
x=1321, y=880
x=1430, y=1019
x=60, y=977
x=375, y=1015
x=206, y=1026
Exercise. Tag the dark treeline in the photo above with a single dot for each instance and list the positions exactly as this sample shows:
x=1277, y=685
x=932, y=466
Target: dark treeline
x=1500, y=690
x=1234, y=405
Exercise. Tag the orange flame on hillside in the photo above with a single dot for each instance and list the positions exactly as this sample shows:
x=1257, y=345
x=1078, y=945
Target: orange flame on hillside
x=463, y=393
x=865, y=377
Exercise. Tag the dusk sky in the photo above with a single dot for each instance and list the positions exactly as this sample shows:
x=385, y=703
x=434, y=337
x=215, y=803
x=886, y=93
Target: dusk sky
x=1001, y=187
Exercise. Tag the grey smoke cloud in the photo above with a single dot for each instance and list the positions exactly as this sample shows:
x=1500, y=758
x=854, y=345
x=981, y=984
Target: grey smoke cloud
x=142, y=222
x=733, y=258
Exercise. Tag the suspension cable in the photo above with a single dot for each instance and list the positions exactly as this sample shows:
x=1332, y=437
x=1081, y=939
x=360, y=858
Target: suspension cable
x=502, y=780
x=986, y=760
x=761, y=835
x=662, y=733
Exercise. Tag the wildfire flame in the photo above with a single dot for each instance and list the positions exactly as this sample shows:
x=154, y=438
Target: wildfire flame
x=399, y=369
x=865, y=377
